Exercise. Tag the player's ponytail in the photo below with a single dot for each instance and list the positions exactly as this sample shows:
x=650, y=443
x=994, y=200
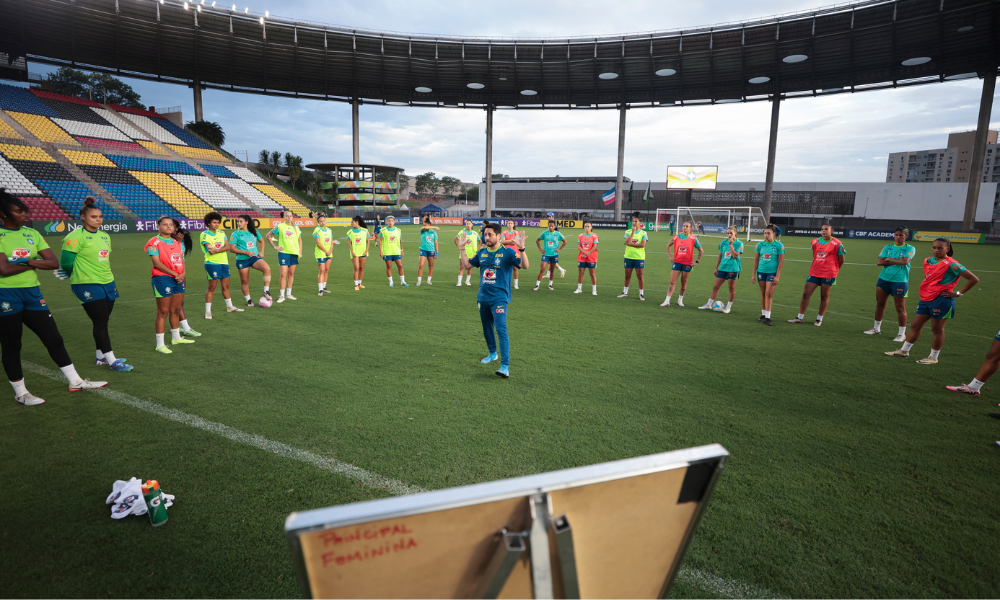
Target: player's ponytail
x=250, y=226
x=951, y=252
x=88, y=203
x=185, y=235
x=360, y=221
x=7, y=201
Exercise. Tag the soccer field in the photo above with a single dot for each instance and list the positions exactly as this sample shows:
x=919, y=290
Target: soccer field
x=852, y=474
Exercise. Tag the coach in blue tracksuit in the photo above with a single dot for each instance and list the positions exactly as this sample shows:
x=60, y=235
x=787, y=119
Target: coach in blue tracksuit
x=495, y=263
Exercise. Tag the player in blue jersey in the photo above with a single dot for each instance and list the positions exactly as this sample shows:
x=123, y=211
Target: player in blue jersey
x=894, y=280
x=495, y=263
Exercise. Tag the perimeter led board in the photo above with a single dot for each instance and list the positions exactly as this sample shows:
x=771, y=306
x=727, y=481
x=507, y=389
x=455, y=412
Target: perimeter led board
x=692, y=178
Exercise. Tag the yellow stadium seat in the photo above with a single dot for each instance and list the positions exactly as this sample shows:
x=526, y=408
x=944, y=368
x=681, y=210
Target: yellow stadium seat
x=196, y=153
x=6, y=131
x=297, y=208
x=173, y=193
x=153, y=147
x=16, y=152
x=78, y=157
x=43, y=129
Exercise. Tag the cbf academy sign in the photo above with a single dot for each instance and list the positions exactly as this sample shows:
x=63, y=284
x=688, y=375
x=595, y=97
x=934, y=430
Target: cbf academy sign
x=64, y=227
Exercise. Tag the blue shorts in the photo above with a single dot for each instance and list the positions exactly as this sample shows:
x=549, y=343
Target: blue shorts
x=165, y=287
x=586, y=265
x=217, y=271
x=14, y=300
x=899, y=289
x=681, y=268
x=938, y=308
x=428, y=253
x=727, y=274
x=246, y=263
x=635, y=263
x=323, y=260
x=391, y=257
x=821, y=280
x=766, y=277
x=288, y=260
x=88, y=292
x=551, y=259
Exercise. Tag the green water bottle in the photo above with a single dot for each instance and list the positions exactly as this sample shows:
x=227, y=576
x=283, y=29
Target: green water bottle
x=154, y=503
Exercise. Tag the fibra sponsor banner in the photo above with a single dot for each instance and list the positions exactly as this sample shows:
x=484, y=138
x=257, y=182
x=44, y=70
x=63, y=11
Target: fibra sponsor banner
x=64, y=227
x=143, y=225
x=874, y=234
x=952, y=236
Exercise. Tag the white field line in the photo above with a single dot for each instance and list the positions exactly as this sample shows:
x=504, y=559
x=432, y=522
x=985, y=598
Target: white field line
x=720, y=586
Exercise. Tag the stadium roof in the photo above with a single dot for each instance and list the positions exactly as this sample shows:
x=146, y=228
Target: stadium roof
x=850, y=47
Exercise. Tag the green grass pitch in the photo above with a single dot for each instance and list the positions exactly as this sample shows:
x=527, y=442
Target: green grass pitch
x=852, y=474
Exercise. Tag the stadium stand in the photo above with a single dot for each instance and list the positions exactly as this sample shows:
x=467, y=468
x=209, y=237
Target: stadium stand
x=43, y=208
x=189, y=205
x=284, y=199
x=149, y=126
x=14, y=182
x=43, y=128
x=6, y=131
x=18, y=99
x=153, y=147
x=209, y=191
x=176, y=131
x=152, y=164
x=121, y=124
x=196, y=153
x=140, y=200
x=217, y=170
x=245, y=174
x=69, y=196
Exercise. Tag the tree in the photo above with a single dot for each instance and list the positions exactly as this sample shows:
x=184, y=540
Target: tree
x=209, y=130
x=472, y=194
x=264, y=158
x=451, y=184
x=94, y=86
x=498, y=176
x=427, y=184
x=276, y=161
x=294, y=164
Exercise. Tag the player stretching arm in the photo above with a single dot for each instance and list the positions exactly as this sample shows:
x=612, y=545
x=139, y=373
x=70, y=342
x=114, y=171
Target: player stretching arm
x=727, y=268
x=937, y=298
x=894, y=280
x=496, y=263
x=513, y=239
x=768, y=262
x=683, y=253
x=828, y=257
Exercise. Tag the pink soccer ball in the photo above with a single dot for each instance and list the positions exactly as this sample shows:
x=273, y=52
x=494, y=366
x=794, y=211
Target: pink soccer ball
x=265, y=302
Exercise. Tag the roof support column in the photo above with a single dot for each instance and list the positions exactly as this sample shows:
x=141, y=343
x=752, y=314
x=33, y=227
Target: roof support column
x=356, y=128
x=979, y=150
x=619, y=192
x=199, y=115
x=772, y=143
x=489, y=162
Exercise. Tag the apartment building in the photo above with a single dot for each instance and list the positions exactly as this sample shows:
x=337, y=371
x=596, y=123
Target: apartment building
x=943, y=165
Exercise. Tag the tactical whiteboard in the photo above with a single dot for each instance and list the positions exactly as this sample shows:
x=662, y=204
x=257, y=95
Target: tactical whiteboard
x=612, y=530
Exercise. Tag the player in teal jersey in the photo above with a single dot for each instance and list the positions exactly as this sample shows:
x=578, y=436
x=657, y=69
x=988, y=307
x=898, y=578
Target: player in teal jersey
x=246, y=244
x=554, y=242
x=289, y=247
x=727, y=269
x=216, y=250
x=768, y=262
x=22, y=251
x=323, y=252
x=86, y=262
x=428, y=250
x=894, y=280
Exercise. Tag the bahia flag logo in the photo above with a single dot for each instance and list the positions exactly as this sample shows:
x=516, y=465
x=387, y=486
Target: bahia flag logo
x=21, y=253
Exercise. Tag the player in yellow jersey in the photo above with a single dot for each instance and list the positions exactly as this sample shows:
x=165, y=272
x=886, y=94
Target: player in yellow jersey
x=323, y=251
x=390, y=248
x=360, y=243
x=289, y=247
x=216, y=249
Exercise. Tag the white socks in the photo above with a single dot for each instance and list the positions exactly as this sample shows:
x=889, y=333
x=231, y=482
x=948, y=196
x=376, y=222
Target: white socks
x=729, y=305
x=468, y=280
x=625, y=290
x=390, y=280
x=935, y=353
x=247, y=297
x=579, y=286
x=402, y=279
x=595, y=288
x=185, y=326
x=229, y=302
x=976, y=384
x=459, y=280
x=159, y=340
x=907, y=346
x=801, y=316
x=208, y=308
x=428, y=279
x=767, y=314
x=20, y=389
x=267, y=288
x=111, y=358
x=515, y=283
x=679, y=298
x=175, y=334
x=70, y=372
x=100, y=355
x=902, y=330
x=819, y=317
x=288, y=292
x=878, y=326
x=357, y=282
x=282, y=292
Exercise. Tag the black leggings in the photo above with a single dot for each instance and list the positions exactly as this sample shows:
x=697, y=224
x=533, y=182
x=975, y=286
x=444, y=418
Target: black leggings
x=99, y=312
x=44, y=326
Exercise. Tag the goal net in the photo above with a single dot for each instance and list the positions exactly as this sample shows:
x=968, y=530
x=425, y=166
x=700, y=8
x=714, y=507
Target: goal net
x=714, y=221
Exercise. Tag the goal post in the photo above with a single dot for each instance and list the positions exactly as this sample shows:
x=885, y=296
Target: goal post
x=713, y=221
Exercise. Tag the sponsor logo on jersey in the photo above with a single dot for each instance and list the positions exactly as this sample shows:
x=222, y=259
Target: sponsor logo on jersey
x=5, y=306
x=682, y=250
x=767, y=256
x=218, y=244
x=489, y=274
x=821, y=255
x=103, y=253
x=21, y=253
x=500, y=310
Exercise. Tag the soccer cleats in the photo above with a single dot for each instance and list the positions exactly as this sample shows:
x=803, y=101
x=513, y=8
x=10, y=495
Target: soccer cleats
x=795, y=320
x=234, y=309
x=280, y=300
x=290, y=297
x=562, y=272
x=930, y=360
x=250, y=303
x=29, y=399
x=181, y=341
x=503, y=371
x=818, y=323
x=873, y=331
x=622, y=296
x=120, y=366
x=492, y=357
x=103, y=362
x=965, y=389
x=705, y=306
x=404, y=284
x=357, y=288
x=722, y=310
x=577, y=291
x=665, y=302
x=208, y=316
x=680, y=303
x=87, y=384
x=190, y=333
x=900, y=338
x=900, y=353
x=267, y=293
x=767, y=322
x=164, y=350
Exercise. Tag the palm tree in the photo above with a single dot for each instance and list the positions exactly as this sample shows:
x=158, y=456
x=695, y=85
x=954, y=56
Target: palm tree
x=294, y=164
x=276, y=161
x=210, y=130
x=264, y=158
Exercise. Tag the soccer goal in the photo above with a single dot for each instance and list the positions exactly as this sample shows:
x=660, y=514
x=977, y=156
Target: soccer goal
x=714, y=221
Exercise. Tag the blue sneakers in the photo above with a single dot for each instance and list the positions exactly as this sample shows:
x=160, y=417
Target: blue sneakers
x=119, y=365
x=504, y=371
x=492, y=357
x=404, y=284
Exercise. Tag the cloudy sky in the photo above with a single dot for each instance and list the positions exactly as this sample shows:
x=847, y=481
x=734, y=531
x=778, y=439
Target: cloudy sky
x=846, y=137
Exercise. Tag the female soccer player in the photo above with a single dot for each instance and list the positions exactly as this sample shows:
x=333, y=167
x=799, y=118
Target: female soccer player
x=986, y=370
x=512, y=238
x=428, y=250
x=216, y=249
x=586, y=243
x=894, y=280
x=86, y=262
x=937, y=298
x=183, y=237
x=635, y=257
x=390, y=248
x=22, y=250
x=727, y=268
x=467, y=242
x=360, y=243
x=323, y=252
x=768, y=262
x=244, y=244
x=289, y=247
x=168, y=276
x=554, y=242
x=682, y=253
x=828, y=257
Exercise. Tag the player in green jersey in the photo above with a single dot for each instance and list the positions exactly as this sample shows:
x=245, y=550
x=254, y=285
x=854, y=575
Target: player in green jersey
x=289, y=247
x=428, y=250
x=22, y=251
x=727, y=269
x=247, y=244
x=769, y=260
x=86, y=262
x=390, y=248
x=468, y=243
x=360, y=244
x=894, y=280
x=635, y=256
x=323, y=251
x=554, y=241
x=216, y=249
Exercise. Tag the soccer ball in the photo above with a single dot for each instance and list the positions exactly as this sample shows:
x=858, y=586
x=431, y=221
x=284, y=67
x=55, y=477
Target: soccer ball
x=717, y=305
x=264, y=302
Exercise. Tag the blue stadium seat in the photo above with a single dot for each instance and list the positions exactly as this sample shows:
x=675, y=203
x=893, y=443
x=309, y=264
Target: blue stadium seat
x=21, y=100
x=140, y=200
x=70, y=194
x=156, y=165
x=217, y=170
x=182, y=134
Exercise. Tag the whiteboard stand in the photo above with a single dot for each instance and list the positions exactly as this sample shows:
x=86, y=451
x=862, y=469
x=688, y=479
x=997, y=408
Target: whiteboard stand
x=510, y=548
